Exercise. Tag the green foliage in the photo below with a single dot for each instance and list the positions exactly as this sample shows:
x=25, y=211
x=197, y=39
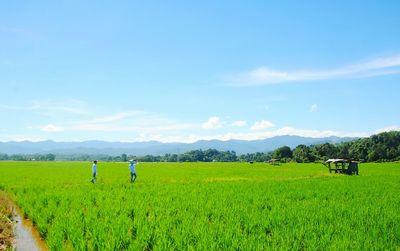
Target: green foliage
x=28, y=157
x=255, y=157
x=326, y=151
x=124, y=157
x=381, y=147
x=208, y=155
x=208, y=206
x=283, y=152
x=303, y=154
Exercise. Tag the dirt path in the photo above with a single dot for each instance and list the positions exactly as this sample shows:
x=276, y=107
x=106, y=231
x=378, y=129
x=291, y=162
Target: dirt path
x=6, y=224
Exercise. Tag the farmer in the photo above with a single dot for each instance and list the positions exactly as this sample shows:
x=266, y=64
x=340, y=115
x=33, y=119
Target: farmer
x=132, y=169
x=94, y=171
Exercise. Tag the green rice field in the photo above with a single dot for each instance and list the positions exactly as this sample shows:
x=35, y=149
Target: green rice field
x=208, y=206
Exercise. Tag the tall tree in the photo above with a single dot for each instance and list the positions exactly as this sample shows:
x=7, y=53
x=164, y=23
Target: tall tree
x=283, y=152
x=303, y=153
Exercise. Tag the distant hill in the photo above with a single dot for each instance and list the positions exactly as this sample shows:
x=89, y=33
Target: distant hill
x=158, y=148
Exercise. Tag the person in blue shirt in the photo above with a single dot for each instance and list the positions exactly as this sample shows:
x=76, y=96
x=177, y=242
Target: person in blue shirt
x=94, y=171
x=132, y=169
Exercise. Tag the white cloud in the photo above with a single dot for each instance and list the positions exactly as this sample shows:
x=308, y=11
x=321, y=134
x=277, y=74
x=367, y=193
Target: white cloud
x=239, y=123
x=315, y=133
x=313, y=108
x=253, y=135
x=263, y=124
x=131, y=128
x=388, y=129
x=127, y=121
x=212, y=123
x=19, y=138
x=52, y=128
x=266, y=76
x=180, y=136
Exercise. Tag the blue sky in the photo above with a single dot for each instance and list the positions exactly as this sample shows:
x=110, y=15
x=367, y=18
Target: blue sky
x=181, y=71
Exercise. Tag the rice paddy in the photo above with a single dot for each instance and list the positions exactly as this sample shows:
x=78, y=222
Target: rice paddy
x=207, y=206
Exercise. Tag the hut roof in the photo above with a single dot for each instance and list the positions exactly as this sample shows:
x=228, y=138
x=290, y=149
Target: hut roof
x=336, y=161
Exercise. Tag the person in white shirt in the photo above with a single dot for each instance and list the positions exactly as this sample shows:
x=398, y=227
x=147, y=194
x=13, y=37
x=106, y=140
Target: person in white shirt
x=132, y=169
x=94, y=171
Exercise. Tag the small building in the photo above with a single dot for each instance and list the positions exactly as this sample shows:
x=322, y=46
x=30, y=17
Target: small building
x=274, y=161
x=343, y=166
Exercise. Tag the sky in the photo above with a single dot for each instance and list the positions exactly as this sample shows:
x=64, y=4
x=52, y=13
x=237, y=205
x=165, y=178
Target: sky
x=182, y=71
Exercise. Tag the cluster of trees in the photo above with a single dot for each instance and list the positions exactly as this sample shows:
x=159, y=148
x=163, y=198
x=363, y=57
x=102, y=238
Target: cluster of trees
x=26, y=157
x=208, y=155
x=88, y=157
x=381, y=147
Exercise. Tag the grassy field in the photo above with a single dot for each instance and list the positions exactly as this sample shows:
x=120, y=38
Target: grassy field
x=208, y=205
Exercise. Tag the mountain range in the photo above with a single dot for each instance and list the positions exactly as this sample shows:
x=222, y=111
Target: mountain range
x=159, y=148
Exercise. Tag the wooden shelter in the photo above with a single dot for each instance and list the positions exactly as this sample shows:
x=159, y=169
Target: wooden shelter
x=342, y=166
x=273, y=161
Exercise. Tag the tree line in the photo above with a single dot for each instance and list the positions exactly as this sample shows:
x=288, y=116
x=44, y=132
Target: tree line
x=28, y=157
x=376, y=148
x=380, y=147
